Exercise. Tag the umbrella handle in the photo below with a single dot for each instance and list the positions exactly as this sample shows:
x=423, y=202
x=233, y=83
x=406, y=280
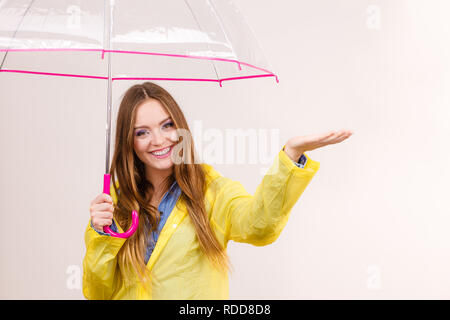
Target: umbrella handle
x=134, y=214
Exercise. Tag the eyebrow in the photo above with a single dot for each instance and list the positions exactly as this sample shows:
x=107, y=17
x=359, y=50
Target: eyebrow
x=149, y=127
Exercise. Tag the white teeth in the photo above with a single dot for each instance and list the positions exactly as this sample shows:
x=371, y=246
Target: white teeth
x=161, y=153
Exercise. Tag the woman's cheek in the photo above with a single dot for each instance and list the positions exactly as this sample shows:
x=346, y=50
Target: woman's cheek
x=173, y=136
x=140, y=151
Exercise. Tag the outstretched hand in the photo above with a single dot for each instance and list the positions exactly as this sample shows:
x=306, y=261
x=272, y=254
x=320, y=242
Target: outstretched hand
x=296, y=146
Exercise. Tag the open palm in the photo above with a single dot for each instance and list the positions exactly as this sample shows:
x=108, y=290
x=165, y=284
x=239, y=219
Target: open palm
x=296, y=146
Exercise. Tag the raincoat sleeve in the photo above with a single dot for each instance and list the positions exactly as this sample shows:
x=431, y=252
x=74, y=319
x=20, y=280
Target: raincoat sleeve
x=259, y=219
x=100, y=268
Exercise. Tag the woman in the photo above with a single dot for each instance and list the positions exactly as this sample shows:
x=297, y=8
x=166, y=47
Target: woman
x=188, y=211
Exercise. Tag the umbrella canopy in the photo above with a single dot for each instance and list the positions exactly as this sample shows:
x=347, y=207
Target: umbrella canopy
x=183, y=40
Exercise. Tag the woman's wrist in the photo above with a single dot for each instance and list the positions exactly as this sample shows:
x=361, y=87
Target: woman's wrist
x=294, y=155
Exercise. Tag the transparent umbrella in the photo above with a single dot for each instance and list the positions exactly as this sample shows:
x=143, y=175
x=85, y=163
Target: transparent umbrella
x=178, y=40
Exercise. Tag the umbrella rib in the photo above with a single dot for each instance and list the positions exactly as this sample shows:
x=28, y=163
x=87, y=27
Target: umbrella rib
x=200, y=28
x=219, y=19
x=15, y=32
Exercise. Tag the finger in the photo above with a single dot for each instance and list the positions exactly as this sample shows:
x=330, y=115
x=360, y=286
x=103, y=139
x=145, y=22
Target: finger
x=102, y=215
x=342, y=138
x=338, y=137
x=340, y=134
x=319, y=140
x=322, y=140
x=106, y=198
x=100, y=223
x=106, y=222
x=336, y=134
x=103, y=207
x=316, y=140
x=345, y=134
x=326, y=135
x=103, y=197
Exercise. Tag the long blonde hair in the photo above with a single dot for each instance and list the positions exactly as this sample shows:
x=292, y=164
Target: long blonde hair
x=136, y=191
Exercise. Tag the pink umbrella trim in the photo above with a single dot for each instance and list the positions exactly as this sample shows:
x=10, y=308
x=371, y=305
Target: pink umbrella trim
x=141, y=52
x=132, y=78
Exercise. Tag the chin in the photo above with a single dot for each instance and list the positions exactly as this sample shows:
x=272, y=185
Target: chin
x=160, y=165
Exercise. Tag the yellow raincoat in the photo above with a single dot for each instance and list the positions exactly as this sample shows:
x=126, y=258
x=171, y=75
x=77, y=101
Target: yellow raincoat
x=179, y=269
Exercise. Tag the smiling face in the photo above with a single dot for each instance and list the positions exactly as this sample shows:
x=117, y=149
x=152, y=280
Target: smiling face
x=154, y=136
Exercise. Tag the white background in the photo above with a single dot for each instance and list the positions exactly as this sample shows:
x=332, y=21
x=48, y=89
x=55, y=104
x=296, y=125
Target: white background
x=372, y=224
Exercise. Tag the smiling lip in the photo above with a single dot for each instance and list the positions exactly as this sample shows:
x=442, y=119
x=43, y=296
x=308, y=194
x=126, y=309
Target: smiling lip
x=161, y=148
x=164, y=156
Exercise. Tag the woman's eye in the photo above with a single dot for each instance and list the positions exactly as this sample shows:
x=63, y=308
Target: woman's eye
x=140, y=133
x=169, y=124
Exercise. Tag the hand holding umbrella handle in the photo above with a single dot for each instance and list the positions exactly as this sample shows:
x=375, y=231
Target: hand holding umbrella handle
x=134, y=214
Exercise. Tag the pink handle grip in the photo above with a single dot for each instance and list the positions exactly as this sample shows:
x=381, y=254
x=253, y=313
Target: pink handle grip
x=134, y=214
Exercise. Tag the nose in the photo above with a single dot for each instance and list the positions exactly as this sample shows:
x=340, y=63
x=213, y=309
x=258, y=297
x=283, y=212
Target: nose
x=158, y=138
